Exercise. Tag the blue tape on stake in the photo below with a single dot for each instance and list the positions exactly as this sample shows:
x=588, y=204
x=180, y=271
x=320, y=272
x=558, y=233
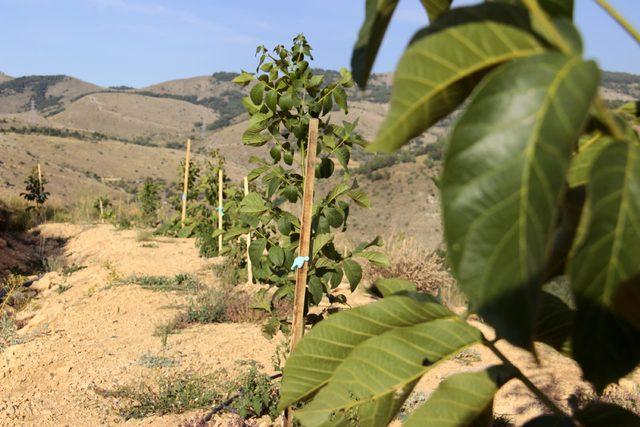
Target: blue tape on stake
x=184, y=197
x=299, y=262
x=220, y=210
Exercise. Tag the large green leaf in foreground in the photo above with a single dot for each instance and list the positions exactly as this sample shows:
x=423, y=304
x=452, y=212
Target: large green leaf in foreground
x=444, y=62
x=605, y=272
x=435, y=8
x=504, y=174
x=363, y=362
x=377, y=16
x=462, y=400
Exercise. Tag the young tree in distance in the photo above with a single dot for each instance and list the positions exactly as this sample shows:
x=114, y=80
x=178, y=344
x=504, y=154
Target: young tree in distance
x=149, y=200
x=540, y=180
x=35, y=188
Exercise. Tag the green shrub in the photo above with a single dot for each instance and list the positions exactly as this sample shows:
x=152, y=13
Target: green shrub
x=149, y=200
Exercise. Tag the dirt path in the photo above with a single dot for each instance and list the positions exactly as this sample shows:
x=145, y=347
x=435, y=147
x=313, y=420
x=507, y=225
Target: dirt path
x=93, y=335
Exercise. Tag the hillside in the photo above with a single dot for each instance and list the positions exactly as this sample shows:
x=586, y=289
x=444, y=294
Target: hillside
x=71, y=114
x=130, y=116
x=200, y=87
x=77, y=168
x=49, y=93
x=4, y=77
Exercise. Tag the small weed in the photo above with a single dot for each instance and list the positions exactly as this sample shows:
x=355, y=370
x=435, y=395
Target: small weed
x=112, y=274
x=63, y=288
x=163, y=330
x=149, y=360
x=259, y=394
x=90, y=291
x=123, y=223
x=8, y=332
x=414, y=400
x=56, y=263
x=179, y=282
x=280, y=355
x=171, y=394
x=468, y=357
x=69, y=270
x=144, y=236
x=221, y=305
x=149, y=245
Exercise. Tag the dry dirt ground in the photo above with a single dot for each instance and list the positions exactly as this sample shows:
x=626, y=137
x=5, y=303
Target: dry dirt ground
x=92, y=336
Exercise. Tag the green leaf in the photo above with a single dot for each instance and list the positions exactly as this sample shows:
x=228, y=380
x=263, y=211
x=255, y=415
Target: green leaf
x=605, y=271
x=325, y=168
x=376, y=241
x=340, y=97
x=462, y=399
x=320, y=241
x=256, y=250
x=284, y=225
x=445, y=61
x=504, y=175
x=388, y=287
x=377, y=258
x=377, y=16
x=257, y=93
x=254, y=135
x=275, y=153
x=271, y=99
x=334, y=216
x=589, y=148
x=600, y=414
x=555, y=8
x=276, y=255
x=435, y=8
x=243, y=79
x=360, y=197
x=316, y=289
x=328, y=343
x=291, y=193
x=337, y=191
x=554, y=322
x=343, y=155
x=253, y=203
x=353, y=271
x=370, y=378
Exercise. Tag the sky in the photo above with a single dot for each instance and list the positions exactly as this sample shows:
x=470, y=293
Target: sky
x=141, y=42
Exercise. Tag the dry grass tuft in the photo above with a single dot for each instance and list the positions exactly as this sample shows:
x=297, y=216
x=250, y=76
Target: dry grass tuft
x=427, y=269
x=411, y=262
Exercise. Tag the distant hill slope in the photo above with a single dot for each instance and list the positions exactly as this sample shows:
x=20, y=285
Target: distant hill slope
x=4, y=77
x=130, y=116
x=200, y=87
x=49, y=93
x=77, y=168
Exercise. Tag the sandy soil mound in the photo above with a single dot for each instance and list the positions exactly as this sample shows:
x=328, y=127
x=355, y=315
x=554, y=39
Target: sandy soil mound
x=92, y=335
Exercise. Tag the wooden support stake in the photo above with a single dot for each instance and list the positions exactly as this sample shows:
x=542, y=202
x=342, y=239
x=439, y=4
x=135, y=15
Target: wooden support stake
x=249, y=268
x=297, y=327
x=220, y=201
x=40, y=177
x=187, y=161
x=101, y=211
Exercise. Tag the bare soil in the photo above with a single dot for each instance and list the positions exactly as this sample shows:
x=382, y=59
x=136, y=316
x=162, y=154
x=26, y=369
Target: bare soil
x=91, y=337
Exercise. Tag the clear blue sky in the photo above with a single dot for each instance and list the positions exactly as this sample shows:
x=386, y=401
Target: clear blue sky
x=140, y=42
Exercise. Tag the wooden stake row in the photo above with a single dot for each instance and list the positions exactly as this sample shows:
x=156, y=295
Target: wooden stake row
x=219, y=207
